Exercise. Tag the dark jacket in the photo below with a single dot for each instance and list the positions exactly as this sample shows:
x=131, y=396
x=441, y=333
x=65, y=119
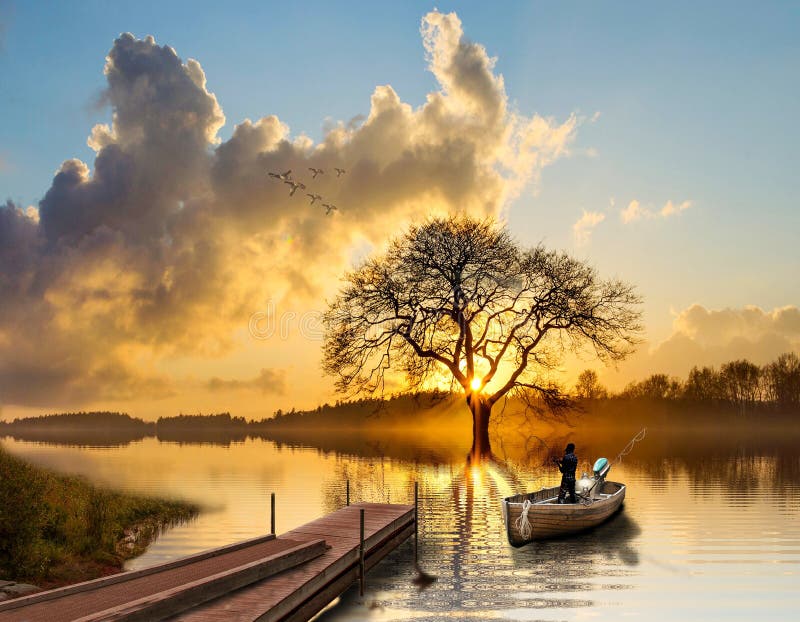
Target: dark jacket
x=568, y=465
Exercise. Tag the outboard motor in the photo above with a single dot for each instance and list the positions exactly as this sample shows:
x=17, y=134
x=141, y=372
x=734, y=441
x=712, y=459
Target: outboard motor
x=584, y=485
x=601, y=468
x=591, y=487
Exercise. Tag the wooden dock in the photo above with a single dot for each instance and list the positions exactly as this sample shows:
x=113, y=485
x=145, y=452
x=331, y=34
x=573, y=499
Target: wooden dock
x=286, y=578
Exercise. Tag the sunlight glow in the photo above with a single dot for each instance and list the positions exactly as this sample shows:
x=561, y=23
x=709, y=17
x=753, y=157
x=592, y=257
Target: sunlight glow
x=476, y=384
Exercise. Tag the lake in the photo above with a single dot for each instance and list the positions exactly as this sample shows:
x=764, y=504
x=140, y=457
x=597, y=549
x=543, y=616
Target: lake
x=710, y=527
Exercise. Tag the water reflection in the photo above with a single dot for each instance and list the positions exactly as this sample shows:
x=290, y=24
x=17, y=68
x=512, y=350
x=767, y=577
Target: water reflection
x=710, y=520
x=464, y=546
x=79, y=438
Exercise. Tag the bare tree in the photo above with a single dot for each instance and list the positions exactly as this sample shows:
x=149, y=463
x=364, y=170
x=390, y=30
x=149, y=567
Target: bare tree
x=782, y=380
x=588, y=386
x=456, y=298
x=741, y=381
x=704, y=385
x=655, y=387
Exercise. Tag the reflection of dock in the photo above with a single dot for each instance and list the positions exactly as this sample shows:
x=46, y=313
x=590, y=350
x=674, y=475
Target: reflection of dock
x=290, y=577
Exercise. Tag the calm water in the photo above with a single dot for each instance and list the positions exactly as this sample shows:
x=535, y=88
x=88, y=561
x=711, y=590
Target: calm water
x=710, y=530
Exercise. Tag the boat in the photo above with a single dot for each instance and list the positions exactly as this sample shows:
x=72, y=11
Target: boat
x=538, y=515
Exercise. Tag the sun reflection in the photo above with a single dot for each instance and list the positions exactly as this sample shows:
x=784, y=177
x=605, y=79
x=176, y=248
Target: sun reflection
x=477, y=477
x=493, y=479
x=505, y=485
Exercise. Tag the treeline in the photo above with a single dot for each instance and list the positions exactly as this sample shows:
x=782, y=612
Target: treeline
x=358, y=411
x=105, y=420
x=82, y=419
x=396, y=411
x=219, y=428
x=109, y=429
x=221, y=420
x=400, y=406
x=739, y=384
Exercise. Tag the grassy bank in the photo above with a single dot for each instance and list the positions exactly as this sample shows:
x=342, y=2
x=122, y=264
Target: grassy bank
x=57, y=529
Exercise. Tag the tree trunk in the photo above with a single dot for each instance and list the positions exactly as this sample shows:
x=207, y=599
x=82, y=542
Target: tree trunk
x=481, y=411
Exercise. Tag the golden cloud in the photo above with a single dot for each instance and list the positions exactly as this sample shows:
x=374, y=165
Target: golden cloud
x=174, y=237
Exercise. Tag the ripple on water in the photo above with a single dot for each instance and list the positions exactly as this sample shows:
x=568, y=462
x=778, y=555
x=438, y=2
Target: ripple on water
x=686, y=546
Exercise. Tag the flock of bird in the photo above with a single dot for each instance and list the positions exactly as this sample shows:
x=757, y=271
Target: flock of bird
x=295, y=185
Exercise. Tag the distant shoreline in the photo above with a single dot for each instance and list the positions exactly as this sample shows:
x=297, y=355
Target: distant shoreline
x=434, y=427
x=408, y=411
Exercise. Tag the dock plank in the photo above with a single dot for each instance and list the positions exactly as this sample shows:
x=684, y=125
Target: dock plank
x=302, y=591
x=86, y=586
x=79, y=605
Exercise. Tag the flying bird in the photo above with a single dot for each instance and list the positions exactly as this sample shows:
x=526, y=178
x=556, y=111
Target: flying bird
x=284, y=177
x=314, y=197
x=295, y=186
x=315, y=172
x=339, y=171
x=329, y=209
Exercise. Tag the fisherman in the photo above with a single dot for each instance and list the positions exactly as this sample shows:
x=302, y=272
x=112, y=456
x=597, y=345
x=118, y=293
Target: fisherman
x=567, y=466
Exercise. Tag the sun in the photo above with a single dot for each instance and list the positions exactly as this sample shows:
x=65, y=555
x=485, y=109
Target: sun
x=476, y=384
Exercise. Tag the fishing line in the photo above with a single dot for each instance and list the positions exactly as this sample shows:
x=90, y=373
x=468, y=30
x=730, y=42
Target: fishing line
x=639, y=436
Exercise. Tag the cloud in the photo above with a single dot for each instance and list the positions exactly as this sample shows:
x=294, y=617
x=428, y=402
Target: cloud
x=169, y=242
x=711, y=337
x=635, y=211
x=267, y=381
x=585, y=225
x=715, y=328
x=669, y=208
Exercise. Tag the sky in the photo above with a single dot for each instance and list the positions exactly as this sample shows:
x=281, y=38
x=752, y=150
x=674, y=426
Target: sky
x=147, y=264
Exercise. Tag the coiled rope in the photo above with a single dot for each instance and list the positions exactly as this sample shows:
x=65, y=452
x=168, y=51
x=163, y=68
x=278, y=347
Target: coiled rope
x=522, y=523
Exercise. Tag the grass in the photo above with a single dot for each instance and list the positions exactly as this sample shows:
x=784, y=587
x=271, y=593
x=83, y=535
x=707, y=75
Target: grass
x=57, y=529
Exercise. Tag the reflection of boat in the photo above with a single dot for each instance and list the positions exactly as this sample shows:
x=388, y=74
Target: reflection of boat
x=538, y=515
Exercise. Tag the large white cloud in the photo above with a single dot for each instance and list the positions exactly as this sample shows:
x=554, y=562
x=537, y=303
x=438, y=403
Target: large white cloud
x=717, y=327
x=712, y=337
x=173, y=238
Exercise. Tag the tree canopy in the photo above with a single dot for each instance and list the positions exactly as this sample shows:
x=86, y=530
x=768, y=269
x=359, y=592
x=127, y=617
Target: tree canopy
x=459, y=298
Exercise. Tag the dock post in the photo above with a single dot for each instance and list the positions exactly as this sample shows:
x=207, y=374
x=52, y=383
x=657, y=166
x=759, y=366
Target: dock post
x=416, y=517
x=361, y=569
x=348, y=492
x=272, y=514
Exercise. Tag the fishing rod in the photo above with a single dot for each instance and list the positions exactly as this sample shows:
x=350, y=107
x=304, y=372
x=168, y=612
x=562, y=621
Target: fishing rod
x=639, y=436
x=552, y=456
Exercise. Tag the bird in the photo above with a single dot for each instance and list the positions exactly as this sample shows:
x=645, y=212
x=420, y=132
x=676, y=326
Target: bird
x=314, y=197
x=329, y=208
x=295, y=185
x=339, y=171
x=282, y=176
x=315, y=172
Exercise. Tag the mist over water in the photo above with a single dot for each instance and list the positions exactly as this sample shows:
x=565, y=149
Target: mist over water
x=710, y=528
